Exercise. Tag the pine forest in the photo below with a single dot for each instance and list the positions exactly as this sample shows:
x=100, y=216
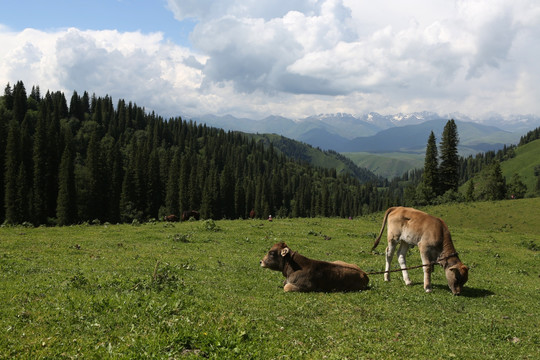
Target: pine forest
x=93, y=162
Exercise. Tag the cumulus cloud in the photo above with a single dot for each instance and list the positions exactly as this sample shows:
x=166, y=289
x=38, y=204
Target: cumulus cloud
x=136, y=67
x=300, y=57
x=413, y=52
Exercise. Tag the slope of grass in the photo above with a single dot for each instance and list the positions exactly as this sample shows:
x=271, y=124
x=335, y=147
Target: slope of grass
x=388, y=165
x=196, y=290
x=314, y=156
x=527, y=157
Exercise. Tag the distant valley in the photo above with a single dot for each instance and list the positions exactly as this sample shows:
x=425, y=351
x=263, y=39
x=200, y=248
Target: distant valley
x=387, y=145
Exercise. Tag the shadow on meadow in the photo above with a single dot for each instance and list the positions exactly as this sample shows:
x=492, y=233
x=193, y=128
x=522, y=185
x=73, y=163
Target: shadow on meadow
x=471, y=292
x=468, y=292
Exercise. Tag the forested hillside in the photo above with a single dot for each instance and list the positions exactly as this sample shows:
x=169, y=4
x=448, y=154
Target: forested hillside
x=93, y=161
x=327, y=159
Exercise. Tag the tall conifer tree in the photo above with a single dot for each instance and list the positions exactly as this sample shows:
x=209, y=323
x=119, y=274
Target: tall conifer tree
x=431, y=165
x=4, y=120
x=449, y=168
x=19, y=101
x=172, y=188
x=39, y=202
x=66, y=210
x=95, y=183
x=13, y=161
x=8, y=97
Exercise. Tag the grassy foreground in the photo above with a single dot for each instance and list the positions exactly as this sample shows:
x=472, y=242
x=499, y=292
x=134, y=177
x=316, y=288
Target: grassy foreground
x=195, y=290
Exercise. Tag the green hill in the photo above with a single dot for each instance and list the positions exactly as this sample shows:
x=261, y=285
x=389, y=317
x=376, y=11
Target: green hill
x=316, y=157
x=526, y=158
x=387, y=165
x=523, y=164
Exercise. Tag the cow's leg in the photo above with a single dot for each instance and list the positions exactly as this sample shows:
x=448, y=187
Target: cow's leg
x=290, y=287
x=427, y=272
x=402, y=253
x=389, y=255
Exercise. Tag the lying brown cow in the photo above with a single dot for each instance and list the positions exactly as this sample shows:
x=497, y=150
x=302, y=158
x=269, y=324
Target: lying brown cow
x=186, y=215
x=304, y=274
x=412, y=227
x=171, y=218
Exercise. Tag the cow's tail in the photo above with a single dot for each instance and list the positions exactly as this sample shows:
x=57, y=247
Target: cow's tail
x=382, y=228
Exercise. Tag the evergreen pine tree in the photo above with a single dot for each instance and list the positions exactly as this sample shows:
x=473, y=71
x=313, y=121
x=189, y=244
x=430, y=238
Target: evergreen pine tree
x=493, y=184
x=154, y=186
x=95, y=183
x=210, y=194
x=196, y=181
x=172, y=188
x=23, y=195
x=117, y=175
x=183, y=203
x=516, y=187
x=4, y=120
x=449, y=167
x=8, y=97
x=55, y=148
x=227, y=187
x=66, y=210
x=75, y=107
x=537, y=185
x=470, y=191
x=26, y=171
x=19, y=102
x=431, y=164
x=39, y=202
x=128, y=208
x=12, y=167
x=240, y=210
x=35, y=94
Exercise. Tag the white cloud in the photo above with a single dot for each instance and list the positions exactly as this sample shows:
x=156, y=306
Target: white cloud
x=300, y=57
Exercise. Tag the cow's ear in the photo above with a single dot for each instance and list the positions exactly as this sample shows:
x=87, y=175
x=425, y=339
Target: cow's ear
x=285, y=251
x=456, y=270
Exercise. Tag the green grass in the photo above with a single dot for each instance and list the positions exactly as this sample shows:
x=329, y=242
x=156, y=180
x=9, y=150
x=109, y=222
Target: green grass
x=195, y=290
x=388, y=165
x=527, y=157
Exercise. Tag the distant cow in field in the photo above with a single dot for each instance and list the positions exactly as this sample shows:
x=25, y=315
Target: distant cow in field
x=186, y=215
x=303, y=274
x=411, y=227
x=171, y=218
x=252, y=214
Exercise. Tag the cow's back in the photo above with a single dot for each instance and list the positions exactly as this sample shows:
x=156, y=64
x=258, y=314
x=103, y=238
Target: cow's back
x=413, y=226
x=336, y=276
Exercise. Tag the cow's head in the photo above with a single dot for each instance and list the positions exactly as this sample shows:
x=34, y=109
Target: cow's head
x=276, y=257
x=457, y=276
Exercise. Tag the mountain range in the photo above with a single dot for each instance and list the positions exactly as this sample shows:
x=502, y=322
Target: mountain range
x=378, y=133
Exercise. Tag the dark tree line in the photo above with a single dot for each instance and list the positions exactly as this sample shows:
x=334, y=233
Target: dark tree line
x=93, y=161
x=439, y=182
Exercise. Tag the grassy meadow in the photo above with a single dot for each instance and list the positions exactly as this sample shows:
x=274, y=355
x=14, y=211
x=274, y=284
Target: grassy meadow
x=196, y=290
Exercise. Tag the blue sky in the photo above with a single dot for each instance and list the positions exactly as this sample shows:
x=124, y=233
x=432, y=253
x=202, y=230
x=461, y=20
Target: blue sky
x=123, y=15
x=293, y=58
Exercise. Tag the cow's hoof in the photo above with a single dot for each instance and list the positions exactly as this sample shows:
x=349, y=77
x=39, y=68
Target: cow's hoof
x=408, y=283
x=429, y=290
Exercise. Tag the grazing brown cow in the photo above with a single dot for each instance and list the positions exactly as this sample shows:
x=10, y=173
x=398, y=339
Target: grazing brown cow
x=186, y=215
x=411, y=227
x=303, y=274
x=171, y=218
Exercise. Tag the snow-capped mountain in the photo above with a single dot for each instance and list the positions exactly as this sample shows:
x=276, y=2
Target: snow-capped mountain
x=341, y=131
